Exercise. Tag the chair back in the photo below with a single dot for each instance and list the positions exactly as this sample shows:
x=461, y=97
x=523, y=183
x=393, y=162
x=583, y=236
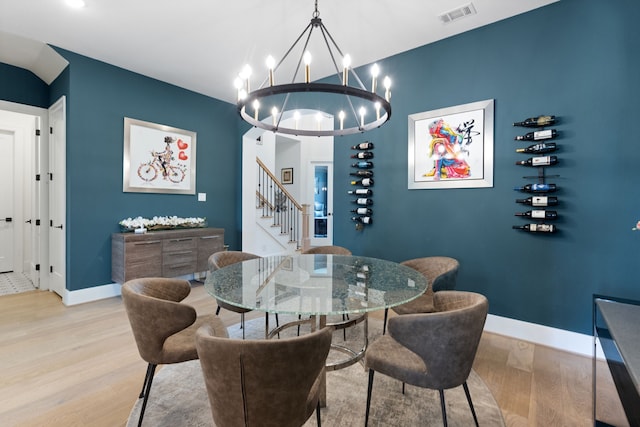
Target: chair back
x=224, y=258
x=446, y=340
x=330, y=250
x=441, y=272
x=155, y=313
x=262, y=382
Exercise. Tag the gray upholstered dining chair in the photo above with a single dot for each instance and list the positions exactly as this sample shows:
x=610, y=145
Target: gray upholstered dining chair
x=441, y=273
x=431, y=350
x=263, y=382
x=164, y=328
x=222, y=259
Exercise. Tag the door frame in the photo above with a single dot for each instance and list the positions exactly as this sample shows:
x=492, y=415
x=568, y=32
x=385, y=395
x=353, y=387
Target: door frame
x=57, y=200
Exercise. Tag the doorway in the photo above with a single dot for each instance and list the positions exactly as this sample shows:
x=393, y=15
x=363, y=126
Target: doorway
x=20, y=192
x=322, y=231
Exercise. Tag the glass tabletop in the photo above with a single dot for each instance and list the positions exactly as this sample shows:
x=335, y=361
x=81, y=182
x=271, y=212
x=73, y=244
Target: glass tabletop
x=316, y=284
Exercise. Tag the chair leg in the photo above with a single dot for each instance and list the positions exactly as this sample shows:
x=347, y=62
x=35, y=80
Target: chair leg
x=242, y=324
x=344, y=330
x=473, y=411
x=218, y=310
x=402, y=388
x=151, y=369
x=318, y=414
x=369, y=388
x=444, y=409
x=384, y=322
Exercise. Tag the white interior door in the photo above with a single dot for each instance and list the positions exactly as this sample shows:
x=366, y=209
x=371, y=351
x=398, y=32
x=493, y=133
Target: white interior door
x=7, y=191
x=57, y=197
x=321, y=228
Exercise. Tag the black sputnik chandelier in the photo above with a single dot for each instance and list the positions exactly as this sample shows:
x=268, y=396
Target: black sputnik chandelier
x=276, y=107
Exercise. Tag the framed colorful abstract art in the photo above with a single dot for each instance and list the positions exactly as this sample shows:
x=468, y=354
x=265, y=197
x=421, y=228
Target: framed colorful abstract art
x=452, y=147
x=158, y=158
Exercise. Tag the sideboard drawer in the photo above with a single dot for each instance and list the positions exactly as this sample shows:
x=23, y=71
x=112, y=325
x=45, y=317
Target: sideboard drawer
x=208, y=245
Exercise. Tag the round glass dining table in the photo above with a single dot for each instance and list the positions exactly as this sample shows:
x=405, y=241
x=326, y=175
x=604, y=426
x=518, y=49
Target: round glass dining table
x=314, y=286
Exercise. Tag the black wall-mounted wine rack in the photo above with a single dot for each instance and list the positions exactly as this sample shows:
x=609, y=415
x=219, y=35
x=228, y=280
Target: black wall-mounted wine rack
x=541, y=194
x=361, y=183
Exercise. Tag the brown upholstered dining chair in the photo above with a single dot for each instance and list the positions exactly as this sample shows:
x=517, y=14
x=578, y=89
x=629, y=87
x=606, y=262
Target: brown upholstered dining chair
x=263, y=382
x=164, y=328
x=329, y=250
x=431, y=350
x=441, y=273
x=222, y=259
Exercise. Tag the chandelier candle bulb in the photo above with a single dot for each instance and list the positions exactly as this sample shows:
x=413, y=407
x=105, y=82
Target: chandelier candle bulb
x=307, y=66
x=256, y=107
x=341, y=117
x=375, y=70
x=246, y=75
x=377, y=105
x=296, y=118
x=346, y=63
x=387, y=88
x=271, y=63
x=274, y=113
x=362, y=112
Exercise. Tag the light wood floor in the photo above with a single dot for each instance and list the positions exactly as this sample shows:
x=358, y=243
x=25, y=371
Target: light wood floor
x=79, y=366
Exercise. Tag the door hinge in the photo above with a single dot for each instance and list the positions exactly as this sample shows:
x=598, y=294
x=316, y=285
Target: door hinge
x=37, y=222
x=50, y=176
x=37, y=177
x=37, y=132
x=37, y=267
x=50, y=223
x=51, y=130
x=51, y=269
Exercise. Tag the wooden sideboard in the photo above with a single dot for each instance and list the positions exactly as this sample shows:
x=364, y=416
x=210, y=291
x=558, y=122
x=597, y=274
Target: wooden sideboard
x=166, y=253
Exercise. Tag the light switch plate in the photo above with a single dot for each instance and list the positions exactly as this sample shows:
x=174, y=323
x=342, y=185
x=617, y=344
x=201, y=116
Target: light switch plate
x=202, y=197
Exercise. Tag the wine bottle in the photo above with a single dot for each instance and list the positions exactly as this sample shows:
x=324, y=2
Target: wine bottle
x=361, y=192
x=536, y=228
x=362, y=201
x=539, y=201
x=362, y=174
x=362, y=165
x=539, y=161
x=363, y=146
x=535, y=122
x=363, y=155
x=544, y=147
x=365, y=182
x=362, y=219
x=538, y=135
x=362, y=211
x=537, y=188
x=539, y=214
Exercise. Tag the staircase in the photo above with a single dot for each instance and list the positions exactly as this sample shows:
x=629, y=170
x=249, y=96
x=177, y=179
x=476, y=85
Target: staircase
x=279, y=214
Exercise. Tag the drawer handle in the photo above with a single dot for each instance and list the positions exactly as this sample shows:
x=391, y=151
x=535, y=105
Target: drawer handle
x=186, y=239
x=153, y=242
x=179, y=253
x=210, y=237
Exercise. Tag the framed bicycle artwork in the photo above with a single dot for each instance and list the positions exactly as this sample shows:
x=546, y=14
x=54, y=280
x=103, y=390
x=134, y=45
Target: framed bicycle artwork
x=158, y=158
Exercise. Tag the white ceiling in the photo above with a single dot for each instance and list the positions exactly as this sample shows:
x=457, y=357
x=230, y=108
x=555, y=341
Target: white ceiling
x=201, y=45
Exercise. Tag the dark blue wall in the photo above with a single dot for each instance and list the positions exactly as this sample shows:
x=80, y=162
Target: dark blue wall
x=576, y=59
x=99, y=97
x=23, y=87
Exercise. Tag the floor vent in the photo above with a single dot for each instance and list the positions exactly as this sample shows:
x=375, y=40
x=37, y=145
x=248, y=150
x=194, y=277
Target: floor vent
x=455, y=14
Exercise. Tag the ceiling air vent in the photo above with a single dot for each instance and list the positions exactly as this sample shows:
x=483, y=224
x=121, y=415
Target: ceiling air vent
x=457, y=13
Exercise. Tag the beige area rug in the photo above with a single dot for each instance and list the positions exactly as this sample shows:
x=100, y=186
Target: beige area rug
x=179, y=397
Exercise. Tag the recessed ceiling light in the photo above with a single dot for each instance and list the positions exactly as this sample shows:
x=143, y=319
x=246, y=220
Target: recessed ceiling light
x=76, y=4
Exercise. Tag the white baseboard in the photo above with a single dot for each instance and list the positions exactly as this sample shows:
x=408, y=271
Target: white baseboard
x=560, y=339
x=90, y=294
